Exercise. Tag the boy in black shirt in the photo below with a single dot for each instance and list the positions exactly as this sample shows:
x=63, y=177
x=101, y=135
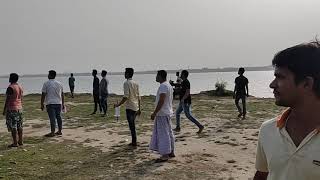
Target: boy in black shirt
x=240, y=92
x=185, y=103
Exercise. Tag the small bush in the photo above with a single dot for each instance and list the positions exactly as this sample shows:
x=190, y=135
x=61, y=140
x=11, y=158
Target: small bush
x=221, y=87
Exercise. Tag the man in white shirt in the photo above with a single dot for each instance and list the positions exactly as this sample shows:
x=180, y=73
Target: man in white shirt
x=289, y=146
x=162, y=140
x=52, y=96
x=132, y=100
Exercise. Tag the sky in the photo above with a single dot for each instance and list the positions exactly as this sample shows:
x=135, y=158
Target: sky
x=79, y=35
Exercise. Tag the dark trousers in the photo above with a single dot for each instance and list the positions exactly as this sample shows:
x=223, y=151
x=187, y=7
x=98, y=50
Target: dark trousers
x=54, y=113
x=243, y=99
x=104, y=104
x=96, y=103
x=131, y=116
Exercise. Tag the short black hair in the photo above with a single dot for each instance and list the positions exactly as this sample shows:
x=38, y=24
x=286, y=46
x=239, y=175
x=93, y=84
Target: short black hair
x=14, y=77
x=241, y=70
x=162, y=74
x=185, y=73
x=104, y=73
x=129, y=72
x=52, y=74
x=94, y=71
x=303, y=61
x=71, y=74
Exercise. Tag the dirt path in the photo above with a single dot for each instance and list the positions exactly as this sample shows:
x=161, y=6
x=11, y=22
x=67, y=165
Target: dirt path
x=226, y=152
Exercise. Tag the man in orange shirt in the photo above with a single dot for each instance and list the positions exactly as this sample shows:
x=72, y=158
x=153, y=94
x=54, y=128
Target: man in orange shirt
x=13, y=110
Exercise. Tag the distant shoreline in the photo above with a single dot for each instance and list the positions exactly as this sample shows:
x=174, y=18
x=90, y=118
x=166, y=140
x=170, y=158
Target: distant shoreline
x=203, y=70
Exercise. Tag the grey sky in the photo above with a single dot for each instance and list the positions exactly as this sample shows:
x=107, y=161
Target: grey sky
x=78, y=35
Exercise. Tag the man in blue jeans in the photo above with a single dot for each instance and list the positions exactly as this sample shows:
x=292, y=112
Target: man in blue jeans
x=185, y=103
x=52, y=96
x=132, y=101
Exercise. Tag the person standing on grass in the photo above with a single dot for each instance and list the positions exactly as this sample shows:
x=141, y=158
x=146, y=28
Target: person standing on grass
x=289, y=146
x=132, y=101
x=13, y=110
x=241, y=91
x=53, y=97
x=103, y=91
x=71, y=84
x=162, y=140
x=185, y=103
x=95, y=92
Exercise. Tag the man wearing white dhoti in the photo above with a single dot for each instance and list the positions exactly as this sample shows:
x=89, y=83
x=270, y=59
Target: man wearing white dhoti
x=162, y=140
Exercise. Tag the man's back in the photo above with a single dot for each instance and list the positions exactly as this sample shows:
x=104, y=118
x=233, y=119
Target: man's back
x=53, y=90
x=241, y=82
x=71, y=81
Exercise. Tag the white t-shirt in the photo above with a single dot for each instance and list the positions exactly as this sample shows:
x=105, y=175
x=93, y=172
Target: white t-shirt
x=53, y=89
x=281, y=158
x=166, y=109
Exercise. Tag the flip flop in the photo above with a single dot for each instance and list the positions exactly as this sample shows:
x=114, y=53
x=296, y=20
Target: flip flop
x=50, y=135
x=159, y=160
x=12, y=146
x=58, y=133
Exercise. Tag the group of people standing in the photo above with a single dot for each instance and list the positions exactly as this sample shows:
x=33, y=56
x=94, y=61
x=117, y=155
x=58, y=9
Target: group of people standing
x=52, y=99
x=100, y=92
x=288, y=146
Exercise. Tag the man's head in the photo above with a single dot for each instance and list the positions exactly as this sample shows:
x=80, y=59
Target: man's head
x=297, y=74
x=161, y=76
x=71, y=74
x=52, y=74
x=241, y=71
x=177, y=73
x=128, y=73
x=103, y=73
x=184, y=74
x=14, y=77
x=94, y=72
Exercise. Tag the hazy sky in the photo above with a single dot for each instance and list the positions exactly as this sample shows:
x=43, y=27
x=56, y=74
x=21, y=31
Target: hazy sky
x=78, y=35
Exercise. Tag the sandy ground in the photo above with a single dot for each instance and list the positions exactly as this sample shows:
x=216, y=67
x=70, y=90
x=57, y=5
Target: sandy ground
x=228, y=152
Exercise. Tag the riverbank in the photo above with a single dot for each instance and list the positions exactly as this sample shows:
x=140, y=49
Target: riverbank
x=94, y=147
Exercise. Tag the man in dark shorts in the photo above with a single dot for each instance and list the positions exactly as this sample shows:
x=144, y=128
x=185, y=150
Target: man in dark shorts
x=241, y=91
x=13, y=110
x=96, y=92
x=71, y=84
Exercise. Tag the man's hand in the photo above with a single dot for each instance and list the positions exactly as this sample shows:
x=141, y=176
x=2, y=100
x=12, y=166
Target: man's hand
x=153, y=115
x=42, y=107
x=138, y=113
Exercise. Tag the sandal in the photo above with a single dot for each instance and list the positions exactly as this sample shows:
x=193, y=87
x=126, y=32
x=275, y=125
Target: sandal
x=12, y=145
x=58, y=133
x=50, y=135
x=161, y=160
x=172, y=155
